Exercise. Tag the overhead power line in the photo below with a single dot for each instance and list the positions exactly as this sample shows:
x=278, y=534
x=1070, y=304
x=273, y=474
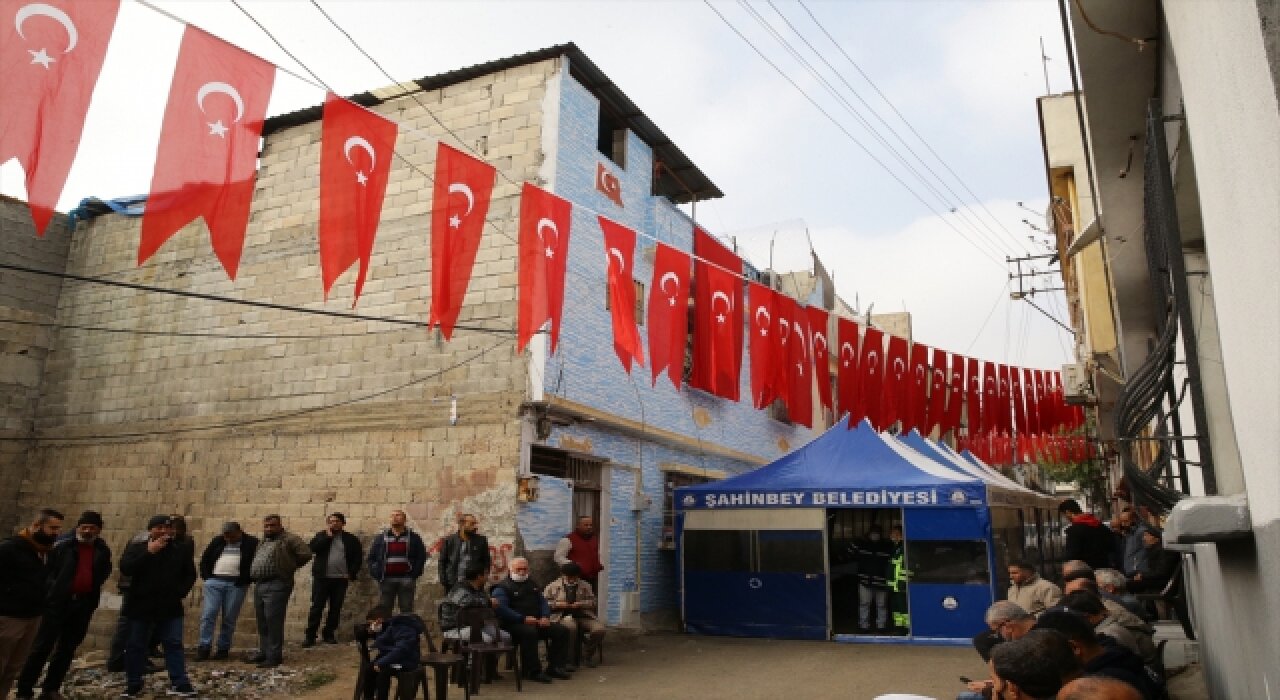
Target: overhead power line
x=850, y=136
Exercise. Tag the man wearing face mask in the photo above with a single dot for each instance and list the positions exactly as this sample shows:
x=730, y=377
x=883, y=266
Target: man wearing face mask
x=23, y=569
x=873, y=584
x=525, y=614
x=78, y=566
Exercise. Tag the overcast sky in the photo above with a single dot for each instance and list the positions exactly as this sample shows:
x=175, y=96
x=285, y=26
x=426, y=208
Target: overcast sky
x=964, y=74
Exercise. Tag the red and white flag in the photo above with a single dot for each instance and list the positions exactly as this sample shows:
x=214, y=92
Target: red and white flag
x=51, y=54
x=668, y=317
x=895, y=382
x=1042, y=402
x=544, y=252
x=819, y=325
x=990, y=397
x=1033, y=410
x=355, y=161
x=973, y=400
x=936, y=414
x=797, y=366
x=847, y=375
x=459, y=205
x=763, y=344
x=208, y=157
x=1019, y=401
x=620, y=250
x=871, y=386
x=917, y=391
x=717, y=321
x=958, y=384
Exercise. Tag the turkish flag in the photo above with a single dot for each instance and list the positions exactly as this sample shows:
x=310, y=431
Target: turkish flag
x=955, y=395
x=973, y=401
x=847, y=375
x=355, y=160
x=936, y=414
x=895, y=382
x=1006, y=398
x=799, y=364
x=819, y=326
x=668, y=319
x=208, y=156
x=1059, y=406
x=717, y=320
x=990, y=397
x=459, y=205
x=1042, y=402
x=620, y=249
x=1019, y=400
x=544, y=249
x=51, y=54
x=871, y=366
x=917, y=391
x=1033, y=407
x=763, y=344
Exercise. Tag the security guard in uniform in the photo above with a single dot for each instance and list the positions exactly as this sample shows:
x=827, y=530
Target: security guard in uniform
x=898, y=576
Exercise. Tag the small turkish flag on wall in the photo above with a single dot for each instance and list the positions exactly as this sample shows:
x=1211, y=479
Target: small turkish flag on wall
x=544, y=252
x=51, y=54
x=668, y=313
x=607, y=183
x=459, y=205
x=207, y=161
x=355, y=161
x=620, y=248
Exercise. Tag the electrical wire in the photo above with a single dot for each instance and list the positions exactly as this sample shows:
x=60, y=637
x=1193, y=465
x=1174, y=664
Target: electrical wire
x=192, y=334
x=268, y=419
x=1004, y=291
x=849, y=135
x=911, y=127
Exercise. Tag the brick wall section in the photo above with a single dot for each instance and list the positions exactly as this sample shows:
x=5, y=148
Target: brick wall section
x=24, y=299
x=363, y=458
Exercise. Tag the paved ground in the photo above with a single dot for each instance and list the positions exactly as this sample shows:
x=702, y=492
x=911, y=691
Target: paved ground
x=715, y=668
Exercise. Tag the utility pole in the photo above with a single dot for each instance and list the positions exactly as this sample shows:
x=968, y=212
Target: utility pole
x=1022, y=270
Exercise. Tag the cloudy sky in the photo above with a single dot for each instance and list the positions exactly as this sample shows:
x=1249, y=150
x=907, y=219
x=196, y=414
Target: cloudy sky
x=965, y=76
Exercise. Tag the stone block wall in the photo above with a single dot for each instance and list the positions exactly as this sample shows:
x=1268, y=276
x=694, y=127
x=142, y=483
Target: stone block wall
x=293, y=413
x=28, y=305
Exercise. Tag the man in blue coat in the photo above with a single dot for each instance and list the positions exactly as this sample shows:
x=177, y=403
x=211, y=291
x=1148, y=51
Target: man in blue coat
x=396, y=647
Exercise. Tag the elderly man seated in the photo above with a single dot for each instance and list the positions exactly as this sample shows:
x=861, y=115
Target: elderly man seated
x=573, y=605
x=1006, y=621
x=525, y=614
x=1112, y=588
x=468, y=593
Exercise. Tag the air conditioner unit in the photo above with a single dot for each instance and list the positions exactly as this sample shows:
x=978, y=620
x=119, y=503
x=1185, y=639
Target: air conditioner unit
x=1076, y=387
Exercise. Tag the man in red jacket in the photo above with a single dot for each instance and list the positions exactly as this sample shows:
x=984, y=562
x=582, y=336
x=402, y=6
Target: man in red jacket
x=582, y=547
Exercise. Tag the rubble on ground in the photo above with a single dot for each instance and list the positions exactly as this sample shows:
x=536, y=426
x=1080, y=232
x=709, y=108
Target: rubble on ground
x=89, y=680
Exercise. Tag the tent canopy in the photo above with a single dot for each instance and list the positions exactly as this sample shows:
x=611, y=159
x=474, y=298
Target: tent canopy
x=843, y=468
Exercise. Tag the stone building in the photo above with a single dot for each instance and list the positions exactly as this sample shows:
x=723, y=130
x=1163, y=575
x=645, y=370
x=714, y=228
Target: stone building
x=224, y=411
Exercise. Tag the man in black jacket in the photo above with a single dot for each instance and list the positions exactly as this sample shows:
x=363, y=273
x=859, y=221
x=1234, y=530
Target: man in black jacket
x=23, y=570
x=463, y=549
x=1101, y=656
x=224, y=566
x=336, y=563
x=162, y=575
x=526, y=616
x=78, y=566
x=1087, y=539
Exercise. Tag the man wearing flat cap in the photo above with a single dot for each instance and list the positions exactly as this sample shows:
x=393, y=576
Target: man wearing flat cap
x=78, y=566
x=224, y=566
x=162, y=575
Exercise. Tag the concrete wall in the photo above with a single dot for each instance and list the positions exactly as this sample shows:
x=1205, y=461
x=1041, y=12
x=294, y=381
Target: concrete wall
x=129, y=423
x=28, y=303
x=1233, y=122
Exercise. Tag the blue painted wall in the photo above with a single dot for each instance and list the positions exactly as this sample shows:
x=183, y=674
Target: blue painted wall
x=585, y=368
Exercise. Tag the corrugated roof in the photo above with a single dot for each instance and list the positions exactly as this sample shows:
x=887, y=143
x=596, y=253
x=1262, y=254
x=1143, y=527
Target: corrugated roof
x=675, y=176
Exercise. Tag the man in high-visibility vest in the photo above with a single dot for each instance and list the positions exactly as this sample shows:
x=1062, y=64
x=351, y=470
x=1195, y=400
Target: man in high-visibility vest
x=898, y=575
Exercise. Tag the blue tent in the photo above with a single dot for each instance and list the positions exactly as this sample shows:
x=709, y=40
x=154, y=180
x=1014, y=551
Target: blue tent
x=755, y=549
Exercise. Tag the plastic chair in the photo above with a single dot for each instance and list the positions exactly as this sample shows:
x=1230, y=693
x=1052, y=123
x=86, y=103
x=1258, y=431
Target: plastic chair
x=442, y=664
x=407, y=682
x=479, y=653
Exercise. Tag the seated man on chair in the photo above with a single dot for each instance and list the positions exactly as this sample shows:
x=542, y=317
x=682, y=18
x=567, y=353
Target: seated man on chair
x=394, y=641
x=525, y=614
x=467, y=593
x=573, y=605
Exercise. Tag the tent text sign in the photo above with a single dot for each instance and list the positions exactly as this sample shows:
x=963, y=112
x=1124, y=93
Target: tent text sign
x=942, y=497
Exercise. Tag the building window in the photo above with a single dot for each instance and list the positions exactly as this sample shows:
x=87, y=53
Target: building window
x=611, y=138
x=639, y=290
x=673, y=481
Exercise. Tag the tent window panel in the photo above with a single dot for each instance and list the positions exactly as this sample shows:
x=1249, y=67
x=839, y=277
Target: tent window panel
x=954, y=561
x=717, y=550
x=791, y=551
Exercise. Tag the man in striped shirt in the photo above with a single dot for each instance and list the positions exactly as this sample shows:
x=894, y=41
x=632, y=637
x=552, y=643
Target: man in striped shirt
x=397, y=558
